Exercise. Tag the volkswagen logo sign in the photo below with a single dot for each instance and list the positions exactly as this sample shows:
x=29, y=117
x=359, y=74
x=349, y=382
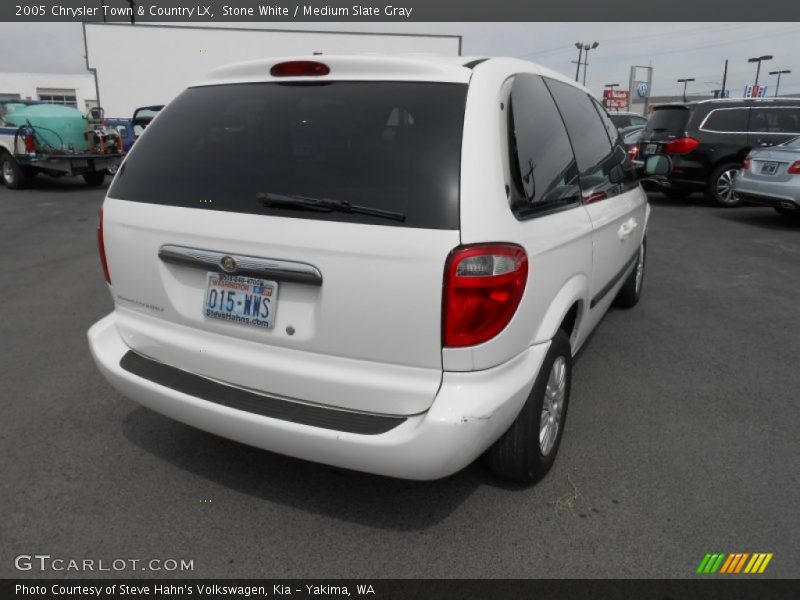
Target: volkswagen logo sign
x=642, y=90
x=228, y=264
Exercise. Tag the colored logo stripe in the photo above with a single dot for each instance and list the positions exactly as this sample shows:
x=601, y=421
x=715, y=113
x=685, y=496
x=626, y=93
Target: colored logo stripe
x=734, y=563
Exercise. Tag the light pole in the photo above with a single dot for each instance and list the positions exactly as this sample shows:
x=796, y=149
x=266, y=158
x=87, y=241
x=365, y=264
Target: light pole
x=684, y=82
x=758, y=59
x=587, y=47
x=779, y=73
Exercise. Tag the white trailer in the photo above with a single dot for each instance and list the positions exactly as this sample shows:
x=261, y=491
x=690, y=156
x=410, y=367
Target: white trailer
x=140, y=65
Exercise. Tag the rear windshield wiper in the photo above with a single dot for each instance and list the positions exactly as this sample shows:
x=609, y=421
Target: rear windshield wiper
x=272, y=200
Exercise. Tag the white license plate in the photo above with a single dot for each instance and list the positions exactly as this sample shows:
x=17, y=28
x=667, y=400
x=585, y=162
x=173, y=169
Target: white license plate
x=650, y=148
x=240, y=299
x=769, y=168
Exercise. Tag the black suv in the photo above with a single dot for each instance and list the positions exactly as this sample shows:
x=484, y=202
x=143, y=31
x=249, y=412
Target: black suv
x=709, y=140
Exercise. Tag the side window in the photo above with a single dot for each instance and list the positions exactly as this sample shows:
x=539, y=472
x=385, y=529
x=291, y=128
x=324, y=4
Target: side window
x=726, y=120
x=611, y=129
x=543, y=166
x=638, y=121
x=775, y=120
x=600, y=165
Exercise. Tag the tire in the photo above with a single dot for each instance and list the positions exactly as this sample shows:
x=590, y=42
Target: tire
x=519, y=455
x=720, y=186
x=94, y=178
x=630, y=292
x=794, y=215
x=12, y=174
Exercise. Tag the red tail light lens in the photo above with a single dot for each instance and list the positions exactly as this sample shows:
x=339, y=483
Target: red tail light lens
x=794, y=168
x=681, y=145
x=299, y=68
x=101, y=246
x=483, y=286
x=30, y=143
x=746, y=163
x=633, y=151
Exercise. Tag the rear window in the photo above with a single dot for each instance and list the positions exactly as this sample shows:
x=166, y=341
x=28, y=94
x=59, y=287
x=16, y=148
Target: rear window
x=669, y=119
x=392, y=146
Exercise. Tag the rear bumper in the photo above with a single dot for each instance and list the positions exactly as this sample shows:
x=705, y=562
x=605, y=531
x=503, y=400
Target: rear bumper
x=470, y=412
x=769, y=193
x=72, y=164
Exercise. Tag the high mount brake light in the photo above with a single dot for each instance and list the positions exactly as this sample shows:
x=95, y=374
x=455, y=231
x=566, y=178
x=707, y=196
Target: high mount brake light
x=299, y=68
x=483, y=286
x=681, y=145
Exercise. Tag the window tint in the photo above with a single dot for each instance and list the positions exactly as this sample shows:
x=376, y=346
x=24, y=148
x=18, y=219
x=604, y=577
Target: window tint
x=611, y=128
x=775, y=120
x=394, y=146
x=621, y=120
x=604, y=171
x=727, y=120
x=793, y=143
x=671, y=119
x=638, y=121
x=543, y=165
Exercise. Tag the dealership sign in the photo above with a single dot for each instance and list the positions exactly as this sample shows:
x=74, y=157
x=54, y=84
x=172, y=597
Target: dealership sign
x=616, y=99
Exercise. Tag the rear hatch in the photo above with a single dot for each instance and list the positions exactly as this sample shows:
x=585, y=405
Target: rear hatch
x=329, y=305
x=667, y=123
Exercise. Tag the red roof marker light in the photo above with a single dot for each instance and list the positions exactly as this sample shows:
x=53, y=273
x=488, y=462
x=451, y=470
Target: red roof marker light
x=299, y=68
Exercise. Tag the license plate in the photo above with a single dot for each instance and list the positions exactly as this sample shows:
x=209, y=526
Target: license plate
x=769, y=168
x=650, y=148
x=240, y=299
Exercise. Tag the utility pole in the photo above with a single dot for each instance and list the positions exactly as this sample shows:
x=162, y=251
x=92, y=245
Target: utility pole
x=133, y=11
x=724, y=79
x=579, y=46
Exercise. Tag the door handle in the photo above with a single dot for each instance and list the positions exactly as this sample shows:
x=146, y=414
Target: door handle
x=627, y=228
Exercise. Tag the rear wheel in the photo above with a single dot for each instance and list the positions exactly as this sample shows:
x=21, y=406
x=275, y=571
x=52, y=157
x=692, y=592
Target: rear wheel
x=12, y=173
x=526, y=451
x=94, y=178
x=631, y=290
x=720, y=185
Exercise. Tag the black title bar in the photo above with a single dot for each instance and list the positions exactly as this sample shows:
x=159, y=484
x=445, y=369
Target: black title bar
x=398, y=10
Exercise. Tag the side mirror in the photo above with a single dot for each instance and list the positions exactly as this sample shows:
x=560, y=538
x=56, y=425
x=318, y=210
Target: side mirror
x=657, y=165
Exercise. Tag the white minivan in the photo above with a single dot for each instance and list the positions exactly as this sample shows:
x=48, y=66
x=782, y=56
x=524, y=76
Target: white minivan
x=380, y=263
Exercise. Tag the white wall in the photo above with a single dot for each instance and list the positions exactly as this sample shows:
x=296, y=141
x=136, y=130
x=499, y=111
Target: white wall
x=27, y=84
x=140, y=65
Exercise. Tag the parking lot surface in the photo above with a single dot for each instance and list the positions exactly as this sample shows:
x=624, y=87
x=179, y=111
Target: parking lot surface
x=681, y=437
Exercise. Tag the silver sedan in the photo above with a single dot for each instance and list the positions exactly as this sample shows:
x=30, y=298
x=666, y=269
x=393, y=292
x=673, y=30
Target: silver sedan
x=771, y=177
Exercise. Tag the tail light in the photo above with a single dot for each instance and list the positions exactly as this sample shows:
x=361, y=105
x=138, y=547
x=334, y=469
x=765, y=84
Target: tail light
x=746, y=163
x=299, y=68
x=633, y=151
x=794, y=168
x=30, y=144
x=101, y=246
x=681, y=145
x=483, y=286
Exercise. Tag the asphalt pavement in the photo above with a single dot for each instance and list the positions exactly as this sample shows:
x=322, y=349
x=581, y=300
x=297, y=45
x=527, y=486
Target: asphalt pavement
x=682, y=436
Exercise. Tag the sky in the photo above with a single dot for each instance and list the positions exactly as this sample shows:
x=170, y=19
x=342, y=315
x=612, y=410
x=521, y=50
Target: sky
x=674, y=50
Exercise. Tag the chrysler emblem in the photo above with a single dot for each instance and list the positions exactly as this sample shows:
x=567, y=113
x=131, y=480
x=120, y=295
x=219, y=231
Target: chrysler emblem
x=228, y=264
